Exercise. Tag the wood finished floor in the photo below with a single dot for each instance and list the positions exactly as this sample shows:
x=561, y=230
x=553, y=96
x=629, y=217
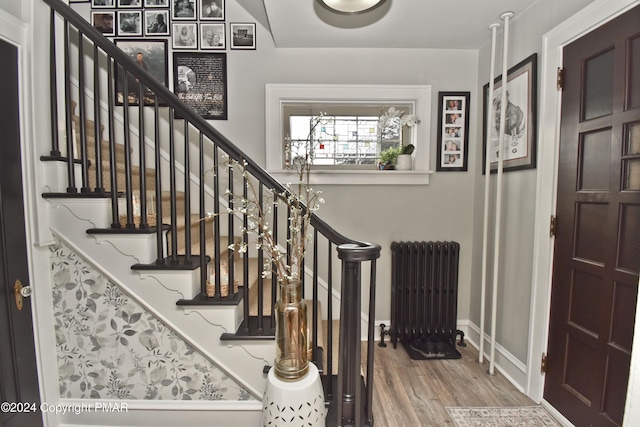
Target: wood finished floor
x=416, y=393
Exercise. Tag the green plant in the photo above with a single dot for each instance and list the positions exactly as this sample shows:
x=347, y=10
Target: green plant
x=408, y=149
x=300, y=200
x=390, y=155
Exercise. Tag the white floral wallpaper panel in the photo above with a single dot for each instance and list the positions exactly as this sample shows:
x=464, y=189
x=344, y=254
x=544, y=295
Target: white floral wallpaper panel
x=109, y=347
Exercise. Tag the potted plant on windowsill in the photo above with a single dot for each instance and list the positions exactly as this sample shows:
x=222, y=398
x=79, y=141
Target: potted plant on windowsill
x=397, y=157
x=389, y=157
x=391, y=123
x=405, y=160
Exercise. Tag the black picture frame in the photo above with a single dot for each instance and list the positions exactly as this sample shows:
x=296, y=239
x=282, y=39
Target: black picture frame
x=211, y=10
x=520, y=144
x=129, y=4
x=183, y=10
x=242, y=35
x=106, y=4
x=184, y=35
x=453, y=131
x=129, y=23
x=156, y=3
x=104, y=21
x=154, y=55
x=200, y=81
x=212, y=36
x=155, y=26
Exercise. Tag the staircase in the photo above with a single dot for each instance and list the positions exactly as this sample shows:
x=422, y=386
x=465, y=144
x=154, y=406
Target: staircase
x=142, y=195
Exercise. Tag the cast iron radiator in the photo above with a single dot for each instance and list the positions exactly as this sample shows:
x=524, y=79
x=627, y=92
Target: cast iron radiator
x=424, y=294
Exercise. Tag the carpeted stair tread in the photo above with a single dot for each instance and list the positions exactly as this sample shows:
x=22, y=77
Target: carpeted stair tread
x=195, y=220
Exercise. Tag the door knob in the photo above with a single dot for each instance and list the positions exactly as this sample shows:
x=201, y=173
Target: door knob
x=21, y=292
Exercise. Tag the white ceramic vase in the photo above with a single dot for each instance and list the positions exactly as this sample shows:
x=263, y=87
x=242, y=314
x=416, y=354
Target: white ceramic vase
x=404, y=162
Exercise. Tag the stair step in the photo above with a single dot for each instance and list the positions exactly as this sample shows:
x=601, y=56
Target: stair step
x=180, y=263
x=200, y=300
x=268, y=330
x=194, y=232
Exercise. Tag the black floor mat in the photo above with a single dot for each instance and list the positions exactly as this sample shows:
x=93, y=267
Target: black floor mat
x=428, y=348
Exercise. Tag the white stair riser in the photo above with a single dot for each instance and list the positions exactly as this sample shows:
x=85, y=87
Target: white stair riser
x=56, y=177
x=242, y=361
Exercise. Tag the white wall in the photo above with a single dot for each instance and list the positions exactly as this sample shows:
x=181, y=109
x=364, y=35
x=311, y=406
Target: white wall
x=15, y=8
x=519, y=192
x=380, y=214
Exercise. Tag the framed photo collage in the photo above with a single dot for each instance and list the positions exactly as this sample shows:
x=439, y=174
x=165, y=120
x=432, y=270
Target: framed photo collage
x=196, y=33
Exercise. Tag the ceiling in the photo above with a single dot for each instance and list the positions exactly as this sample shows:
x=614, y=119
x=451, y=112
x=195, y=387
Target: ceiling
x=450, y=24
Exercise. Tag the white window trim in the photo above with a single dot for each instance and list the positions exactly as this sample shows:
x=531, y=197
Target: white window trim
x=417, y=95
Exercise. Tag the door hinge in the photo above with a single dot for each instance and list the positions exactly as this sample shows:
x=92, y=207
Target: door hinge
x=560, y=78
x=544, y=363
x=553, y=226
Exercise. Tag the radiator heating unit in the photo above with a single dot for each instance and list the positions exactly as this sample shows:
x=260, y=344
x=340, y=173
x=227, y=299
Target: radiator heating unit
x=424, y=298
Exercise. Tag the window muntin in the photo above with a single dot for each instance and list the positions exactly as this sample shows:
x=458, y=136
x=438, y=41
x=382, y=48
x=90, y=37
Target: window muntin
x=381, y=97
x=339, y=140
x=350, y=141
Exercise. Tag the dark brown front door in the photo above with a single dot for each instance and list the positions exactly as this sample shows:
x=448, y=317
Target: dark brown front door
x=19, y=394
x=597, y=248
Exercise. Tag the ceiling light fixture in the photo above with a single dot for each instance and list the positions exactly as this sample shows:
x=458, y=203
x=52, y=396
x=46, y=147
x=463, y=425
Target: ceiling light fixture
x=350, y=6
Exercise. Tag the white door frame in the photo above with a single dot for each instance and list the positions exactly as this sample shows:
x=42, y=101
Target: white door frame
x=583, y=22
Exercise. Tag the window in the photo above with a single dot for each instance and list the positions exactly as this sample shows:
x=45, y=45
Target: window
x=345, y=147
x=351, y=141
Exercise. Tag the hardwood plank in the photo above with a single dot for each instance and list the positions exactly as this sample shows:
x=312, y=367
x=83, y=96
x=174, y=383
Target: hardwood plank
x=417, y=392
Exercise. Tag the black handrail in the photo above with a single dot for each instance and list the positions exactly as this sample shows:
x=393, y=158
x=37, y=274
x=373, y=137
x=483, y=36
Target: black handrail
x=351, y=252
x=151, y=82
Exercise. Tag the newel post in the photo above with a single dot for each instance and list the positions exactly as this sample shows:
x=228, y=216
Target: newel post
x=352, y=407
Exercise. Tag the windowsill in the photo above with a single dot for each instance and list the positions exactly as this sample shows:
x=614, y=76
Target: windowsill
x=357, y=177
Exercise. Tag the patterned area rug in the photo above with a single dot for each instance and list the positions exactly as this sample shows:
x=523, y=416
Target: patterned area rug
x=520, y=416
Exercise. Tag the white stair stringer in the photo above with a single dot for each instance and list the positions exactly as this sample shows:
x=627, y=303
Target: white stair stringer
x=158, y=292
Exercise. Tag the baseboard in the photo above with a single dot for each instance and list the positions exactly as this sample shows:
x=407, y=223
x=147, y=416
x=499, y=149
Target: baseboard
x=505, y=362
x=112, y=413
x=555, y=414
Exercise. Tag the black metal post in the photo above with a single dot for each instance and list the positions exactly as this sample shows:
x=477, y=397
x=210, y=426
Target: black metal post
x=350, y=405
x=172, y=188
x=82, y=116
x=115, y=221
x=53, y=86
x=158, y=162
x=71, y=177
x=187, y=196
x=142, y=161
x=97, y=134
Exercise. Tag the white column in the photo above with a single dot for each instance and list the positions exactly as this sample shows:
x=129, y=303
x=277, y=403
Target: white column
x=487, y=181
x=496, y=252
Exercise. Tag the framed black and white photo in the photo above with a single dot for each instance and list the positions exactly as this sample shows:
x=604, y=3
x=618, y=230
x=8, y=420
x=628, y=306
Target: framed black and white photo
x=211, y=10
x=104, y=21
x=156, y=3
x=151, y=55
x=243, y=35
x=519, y=139
x=184, y=35
x=129, y=3
x=129, y=23
x=156, y=22
x=97, y=4
x=183, y=9
x=212, y=37
x=200, y=81
x=453, y=131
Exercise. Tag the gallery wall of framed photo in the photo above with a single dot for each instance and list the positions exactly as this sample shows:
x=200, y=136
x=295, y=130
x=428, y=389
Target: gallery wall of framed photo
x=190, y=31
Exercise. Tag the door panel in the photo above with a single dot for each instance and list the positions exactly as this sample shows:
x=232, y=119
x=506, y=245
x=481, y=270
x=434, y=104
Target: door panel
x=18, y=377
x=597, y=257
